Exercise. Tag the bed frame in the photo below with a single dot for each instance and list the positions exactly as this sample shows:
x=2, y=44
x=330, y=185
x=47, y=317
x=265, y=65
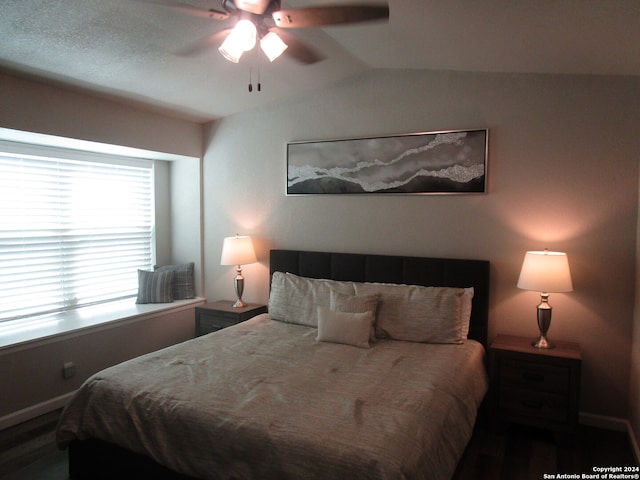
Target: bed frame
x=96, y=460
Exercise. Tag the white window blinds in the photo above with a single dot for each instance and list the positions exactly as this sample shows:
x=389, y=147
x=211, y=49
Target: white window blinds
x=72, y=232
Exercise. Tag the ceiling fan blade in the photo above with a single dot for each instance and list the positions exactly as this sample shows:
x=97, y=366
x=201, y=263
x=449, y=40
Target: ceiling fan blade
x=333, y=15
x=297, y=49
x=205, y=43
x=210, y=13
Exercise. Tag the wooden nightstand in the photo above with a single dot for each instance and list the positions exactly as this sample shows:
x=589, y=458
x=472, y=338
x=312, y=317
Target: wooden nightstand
x=533, y=386
x=214, y=316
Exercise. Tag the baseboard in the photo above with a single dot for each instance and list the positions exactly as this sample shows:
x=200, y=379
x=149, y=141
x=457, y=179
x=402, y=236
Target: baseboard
x=34, y=411
x=613, y=423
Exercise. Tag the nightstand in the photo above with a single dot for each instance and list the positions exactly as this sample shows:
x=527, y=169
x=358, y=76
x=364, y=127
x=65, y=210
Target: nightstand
x=534, y=386
x=214, y=316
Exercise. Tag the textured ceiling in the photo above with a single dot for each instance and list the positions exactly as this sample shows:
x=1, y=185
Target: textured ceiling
x=130, y=49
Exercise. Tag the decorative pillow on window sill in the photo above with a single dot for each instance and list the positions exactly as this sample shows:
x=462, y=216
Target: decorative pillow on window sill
x=155, y=287
x=183, y=283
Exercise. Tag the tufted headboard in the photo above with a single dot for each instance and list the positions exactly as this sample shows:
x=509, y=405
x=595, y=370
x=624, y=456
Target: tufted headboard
x=436, y=272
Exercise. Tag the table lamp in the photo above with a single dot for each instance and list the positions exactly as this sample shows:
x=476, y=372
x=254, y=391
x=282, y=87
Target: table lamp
x=545, y=272
x=238, y=251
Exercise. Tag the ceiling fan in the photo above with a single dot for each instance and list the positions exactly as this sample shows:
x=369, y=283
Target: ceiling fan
x=265, y=22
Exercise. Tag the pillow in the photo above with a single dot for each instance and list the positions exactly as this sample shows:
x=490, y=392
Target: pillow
x=154, y=287
x=344, y=327
x=416, y=314
x=295, y=299
x=465, y=311
x=183, y=282
x=354, y=304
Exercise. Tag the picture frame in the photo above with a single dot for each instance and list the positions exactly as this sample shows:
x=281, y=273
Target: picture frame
x=424, y=163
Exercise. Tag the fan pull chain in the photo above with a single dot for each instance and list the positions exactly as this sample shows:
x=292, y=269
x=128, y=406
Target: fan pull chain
x=251, y=81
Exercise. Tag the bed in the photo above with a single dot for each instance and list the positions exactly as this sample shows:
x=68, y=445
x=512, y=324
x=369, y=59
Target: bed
x=326, y=385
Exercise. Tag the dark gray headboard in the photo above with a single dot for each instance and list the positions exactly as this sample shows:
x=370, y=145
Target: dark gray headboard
x=436, y=272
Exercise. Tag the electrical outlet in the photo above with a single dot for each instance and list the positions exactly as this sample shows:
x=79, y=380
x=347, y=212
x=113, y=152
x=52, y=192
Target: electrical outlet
x=68, y=370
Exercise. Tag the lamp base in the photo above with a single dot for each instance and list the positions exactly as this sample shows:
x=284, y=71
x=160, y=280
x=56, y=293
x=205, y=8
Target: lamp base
x=238, y=285
x=542, y=342
x=544, y=322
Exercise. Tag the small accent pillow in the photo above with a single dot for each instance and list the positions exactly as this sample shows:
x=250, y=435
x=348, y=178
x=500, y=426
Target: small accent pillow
x=465, y=310
x=416, y=314
x=295, y=299
x=183, y=286
x=354, y=304
x=344, y=327
x=154, y=287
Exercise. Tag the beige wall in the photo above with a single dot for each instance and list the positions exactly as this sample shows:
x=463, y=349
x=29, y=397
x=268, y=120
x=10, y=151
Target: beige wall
x=37, y=107
x=563, y=175
x=40, y=108
x=30, y=377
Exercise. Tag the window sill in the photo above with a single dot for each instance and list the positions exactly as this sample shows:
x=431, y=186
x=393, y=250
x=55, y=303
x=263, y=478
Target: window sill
x=20, y=333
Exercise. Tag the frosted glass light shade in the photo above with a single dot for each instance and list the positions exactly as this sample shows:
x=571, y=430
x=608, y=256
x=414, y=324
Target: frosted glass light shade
x=230, y=51
x=272, y=46
x=545, y=271
x=241, y=39
x=238, y=250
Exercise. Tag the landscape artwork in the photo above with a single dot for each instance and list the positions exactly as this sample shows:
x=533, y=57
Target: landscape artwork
x=447, y=162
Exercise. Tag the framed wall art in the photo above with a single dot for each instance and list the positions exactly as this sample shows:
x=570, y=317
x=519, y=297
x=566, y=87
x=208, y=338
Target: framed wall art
x=446, y=162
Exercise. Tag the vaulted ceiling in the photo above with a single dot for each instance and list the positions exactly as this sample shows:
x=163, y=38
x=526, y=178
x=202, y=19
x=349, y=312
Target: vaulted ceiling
x=132, y=49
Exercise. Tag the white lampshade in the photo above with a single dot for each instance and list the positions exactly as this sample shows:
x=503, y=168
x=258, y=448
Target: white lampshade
x=230, y=51
x=241, y=39
x=545, y=272
x=238, y=250
x=272, y=46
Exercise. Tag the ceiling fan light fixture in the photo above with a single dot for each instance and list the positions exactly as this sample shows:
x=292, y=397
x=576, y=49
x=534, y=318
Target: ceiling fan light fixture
x=241, y=39
x=246, y=34
x=272, y=45
x=230, y=51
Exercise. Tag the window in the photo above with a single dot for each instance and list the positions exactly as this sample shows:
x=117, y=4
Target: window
x=74, y=229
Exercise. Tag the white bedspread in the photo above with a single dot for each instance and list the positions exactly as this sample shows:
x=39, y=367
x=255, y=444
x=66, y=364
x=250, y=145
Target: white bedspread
x=263, y=399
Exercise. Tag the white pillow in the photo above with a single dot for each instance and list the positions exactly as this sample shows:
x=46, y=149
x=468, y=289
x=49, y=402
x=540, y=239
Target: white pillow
x=416, y=314
x=344, y=327
x=355, y=304
x=295, y=299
